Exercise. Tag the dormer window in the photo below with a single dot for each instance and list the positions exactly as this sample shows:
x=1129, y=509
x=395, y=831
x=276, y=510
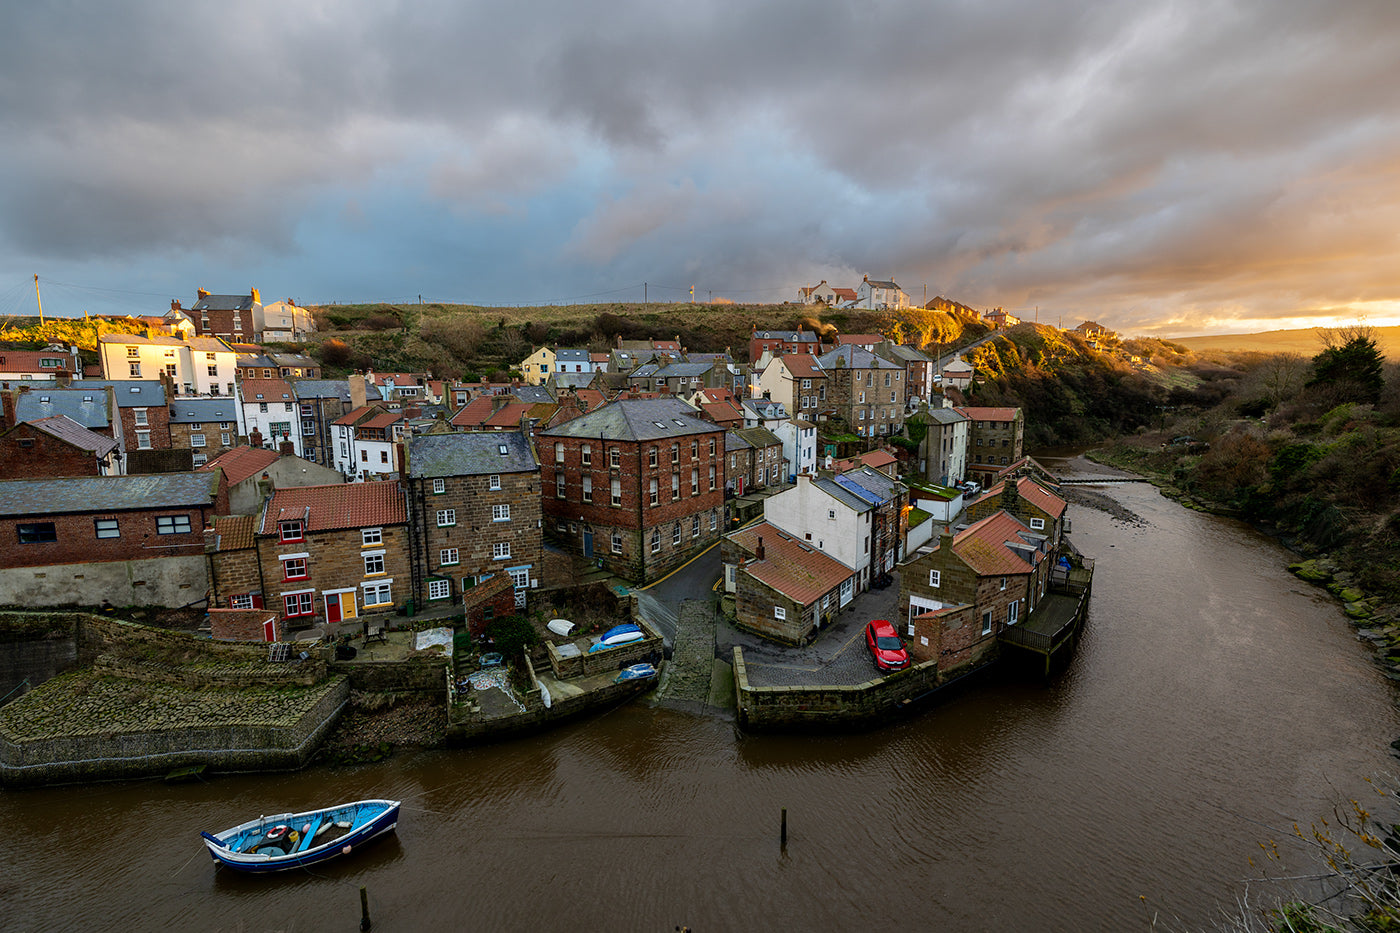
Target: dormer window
x=291, y=531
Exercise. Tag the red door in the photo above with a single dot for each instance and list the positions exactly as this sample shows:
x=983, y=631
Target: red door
x=333, y=609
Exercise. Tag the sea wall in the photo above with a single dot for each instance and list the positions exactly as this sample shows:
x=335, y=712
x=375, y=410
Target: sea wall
x=425, y=675
x=850, y=707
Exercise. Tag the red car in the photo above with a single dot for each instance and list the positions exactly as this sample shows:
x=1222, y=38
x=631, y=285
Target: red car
x=885, y=646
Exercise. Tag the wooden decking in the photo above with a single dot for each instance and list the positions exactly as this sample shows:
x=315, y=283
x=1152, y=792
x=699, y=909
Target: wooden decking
x=1054, y=625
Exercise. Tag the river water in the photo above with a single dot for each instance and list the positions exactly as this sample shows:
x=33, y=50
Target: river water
x=1213, y=701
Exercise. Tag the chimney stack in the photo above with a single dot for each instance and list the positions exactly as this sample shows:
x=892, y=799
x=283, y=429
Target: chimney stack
x=358, y=392
x=758, y=551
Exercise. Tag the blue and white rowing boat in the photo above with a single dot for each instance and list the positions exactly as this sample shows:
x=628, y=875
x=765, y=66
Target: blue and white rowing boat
x=291, y=840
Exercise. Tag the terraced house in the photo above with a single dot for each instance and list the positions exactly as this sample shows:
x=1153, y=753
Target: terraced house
x=637, y=485
x=864, y=391
x=330, y=553
x=995, y=439
x=474, y=499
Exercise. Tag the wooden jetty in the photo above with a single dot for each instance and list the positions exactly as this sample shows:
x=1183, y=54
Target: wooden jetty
x=1053, y=627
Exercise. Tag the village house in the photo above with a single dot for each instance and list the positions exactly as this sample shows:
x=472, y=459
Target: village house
x=636, y=485
x=57, y=446
x=957, y=373
x=269, y=411
x=995, y=439
x=283, y=322
x=367, y=443
x=796, y=381
x=943, y=452
x=206, y=426
x=784, y=588
x=22, y=365
x=535, y=368
x=475, y=507
x=918, y=368
x=799, y=439
x=1039, y=509
x=198, y=366
x=778, y=342
x=144, y=409
x=251, y=473
x=320, y=403
x=821, y=293
x=830, y=517
x=874, y=293
x=227, y=317
x=133, y=540
x=864, y=391
x=331, y=553
x=755, y=460
x=889, y=521
x=94, y=409
x=999, y=319
x=997, y=568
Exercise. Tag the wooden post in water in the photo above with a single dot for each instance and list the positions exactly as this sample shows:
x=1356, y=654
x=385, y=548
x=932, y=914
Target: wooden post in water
x=784, y=831
x=365, y=922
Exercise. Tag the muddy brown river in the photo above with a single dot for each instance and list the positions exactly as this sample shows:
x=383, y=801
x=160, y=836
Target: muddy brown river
x=1213, y=701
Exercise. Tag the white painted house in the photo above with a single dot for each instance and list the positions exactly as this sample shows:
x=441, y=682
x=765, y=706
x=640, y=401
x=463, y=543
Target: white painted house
x=831, y=518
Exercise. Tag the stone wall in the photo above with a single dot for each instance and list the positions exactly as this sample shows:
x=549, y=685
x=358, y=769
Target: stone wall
x=427, y=675
x=465, y=727
x=99, y=635
x=612, y=659
x=857, y=706
x=172, y=581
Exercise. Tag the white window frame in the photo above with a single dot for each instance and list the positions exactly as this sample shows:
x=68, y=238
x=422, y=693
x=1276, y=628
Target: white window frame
x=935, y=578
x=449, y=556
x=1037, y=524
x=107, y=528
x=382, y=593
x=439, y=486
x=439, y=589
x=495, y=482
x=500, y=550
x=374, y=563
x=446, y=518
x=173, y=525
x=780, y=613
x=371, y=536
x=500, y=513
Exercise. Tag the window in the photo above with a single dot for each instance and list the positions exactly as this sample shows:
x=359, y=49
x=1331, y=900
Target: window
x=558, y=451
x=143, y=440
x=377, y=594
x=935, y=578
x=714, y=519
x=132, y=352
x=371, y=536
x=374, y=563
x=617, y=542
x=214, y=371
x=694, y=447
x=439, y=589
x=37, y=532
x=141, y=417
x=675, y=486
x=299, y=604
x=262, y=406
x=224, y=439
x=210, y=356
x=1003, y=583
x=308, y=427
x=651, y=456
x=779, y=612
x=695, y=526
x=695, y=481
x=676, y=534
x=198, y=460
x=384, y=456
x=712, y=479
x=294, y=568
x=653, y=493
x=500, y=550
x=500, y=513
x=291, y=531
x=241, y=601
x=196, y=440
x=559, y=485
x=806, y=383
x=1012, y=612
x=1037, y=524
x=134, y=369
x=987, y=622
x=173, y=525
x=446, y=517
x=495, y=481
x=712, y=447
x=107, y=528
x=439, y=486
x=614, y=457
x=586, y=454
x=655, y=540
x=675, y=453
x=616, y=491
x=588, y=489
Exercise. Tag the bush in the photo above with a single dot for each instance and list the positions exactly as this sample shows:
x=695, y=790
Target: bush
x=512, y=635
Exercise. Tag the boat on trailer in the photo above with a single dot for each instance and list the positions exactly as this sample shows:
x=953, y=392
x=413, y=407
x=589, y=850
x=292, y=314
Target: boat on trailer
x=292, y=840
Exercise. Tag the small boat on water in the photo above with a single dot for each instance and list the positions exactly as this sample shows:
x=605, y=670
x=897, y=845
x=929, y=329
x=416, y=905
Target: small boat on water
x=291, y=840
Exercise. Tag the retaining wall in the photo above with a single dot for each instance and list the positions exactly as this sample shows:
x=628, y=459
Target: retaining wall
x=412, y=675
x=170, y=581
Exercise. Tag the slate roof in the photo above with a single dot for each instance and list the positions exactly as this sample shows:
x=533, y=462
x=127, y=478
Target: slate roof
x=982, y=546
x=223, y=303
x=570, y=355
x=683, y=370
x=854, y=358
x=945, y=415
x=539, y=395
x=758, y=437
x=635, y=420
x=567, y=381
x=765, y=408
x=470, y=454
x=841, y=494
x=876, y=283
x=909, y=354
x=143, y=393
x=733, y=441
x=187, y=410
x=957, y=365
x=240, y=463
x=234, y=532
x=331, y=388
x=787, y=336
x=66, y=429
x=81, y=494
x=794, y=568
x=342, y=505
x=88, y=407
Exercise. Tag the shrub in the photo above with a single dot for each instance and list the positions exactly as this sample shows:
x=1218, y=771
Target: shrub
x=512, y=635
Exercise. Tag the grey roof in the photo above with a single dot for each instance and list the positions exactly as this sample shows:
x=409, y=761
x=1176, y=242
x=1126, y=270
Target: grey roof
x=945, y=415
x=854, y=357
x=330, y=388
x=145, y=393
x=635, y=420
x=255, y=361
x=191, y=410
x=789, y=336
x=645, y=370
x=765, y=407
x=66, y=429
x=474, y=453
x=869, y=484
x=223, y=303
x=842, y=494
x=540, y=395
x=683, y=370
x=735, y=441
x=293, y=359
x=81, y=494
x=570, y=355
x=758, y=437
x=877, y=283
x=88, y=407
x=908, y=354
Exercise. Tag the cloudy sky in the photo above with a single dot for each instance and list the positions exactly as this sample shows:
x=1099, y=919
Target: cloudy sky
x=1161, y=167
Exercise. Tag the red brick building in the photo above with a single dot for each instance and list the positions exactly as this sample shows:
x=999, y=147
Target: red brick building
x=995, y=439
x=474, y=499
x=778, y=342
x=637, y=486
x=56, y=446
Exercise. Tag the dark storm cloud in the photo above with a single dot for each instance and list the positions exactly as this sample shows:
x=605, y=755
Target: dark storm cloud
x=1138, y=162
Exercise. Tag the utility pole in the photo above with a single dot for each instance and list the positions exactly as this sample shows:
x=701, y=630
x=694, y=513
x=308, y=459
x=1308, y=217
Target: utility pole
x=38, y=299
x=644, y=293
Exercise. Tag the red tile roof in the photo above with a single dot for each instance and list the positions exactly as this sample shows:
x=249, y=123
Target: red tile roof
x=802, y=365
x=266, y=390
x=983, y=546
x=989, y=414
x=235, y=532
x=346, y=505
x=240, y=463
x=27, y=361
x=859, y=340
x=845, y=294
x=796, y=569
